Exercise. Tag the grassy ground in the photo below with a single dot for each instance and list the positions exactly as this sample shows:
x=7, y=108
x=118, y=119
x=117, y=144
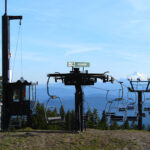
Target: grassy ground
x=90, y=140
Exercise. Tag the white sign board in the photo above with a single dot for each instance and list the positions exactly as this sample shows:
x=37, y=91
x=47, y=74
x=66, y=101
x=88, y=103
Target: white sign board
x=78, y=64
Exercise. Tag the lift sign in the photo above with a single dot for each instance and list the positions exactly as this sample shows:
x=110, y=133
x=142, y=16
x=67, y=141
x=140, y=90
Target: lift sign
x=78, y=64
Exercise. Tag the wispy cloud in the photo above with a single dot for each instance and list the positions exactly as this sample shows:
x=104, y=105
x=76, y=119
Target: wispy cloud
x=136, y=21
x=78, y=49
x=34, y=57
x=140, y=5
x=134, y=56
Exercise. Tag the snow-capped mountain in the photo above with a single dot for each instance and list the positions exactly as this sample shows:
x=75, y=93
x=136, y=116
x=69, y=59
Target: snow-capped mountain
x=137, y=75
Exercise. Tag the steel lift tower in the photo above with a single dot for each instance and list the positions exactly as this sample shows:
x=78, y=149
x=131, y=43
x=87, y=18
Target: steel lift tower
x=140, y=92
x=79, y=79
x=10, y=90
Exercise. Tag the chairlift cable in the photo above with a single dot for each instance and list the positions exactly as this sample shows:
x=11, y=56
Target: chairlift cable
x=21, y=56
x=16, y=49
x=103, y=89
x=122, y=83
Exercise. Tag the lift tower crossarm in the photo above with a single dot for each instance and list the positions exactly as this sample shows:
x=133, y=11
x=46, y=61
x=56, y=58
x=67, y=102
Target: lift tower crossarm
x=15, y=17
x=102, y=76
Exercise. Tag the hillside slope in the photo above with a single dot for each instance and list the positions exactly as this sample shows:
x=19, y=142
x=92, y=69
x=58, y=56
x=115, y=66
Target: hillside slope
x=90, y=140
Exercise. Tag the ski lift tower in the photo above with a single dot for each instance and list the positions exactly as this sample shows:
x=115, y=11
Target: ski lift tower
x=135, y=87
x=78, y=79
x=13, y=94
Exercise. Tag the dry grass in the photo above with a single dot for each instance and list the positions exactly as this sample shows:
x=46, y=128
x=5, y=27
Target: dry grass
x=90, y=140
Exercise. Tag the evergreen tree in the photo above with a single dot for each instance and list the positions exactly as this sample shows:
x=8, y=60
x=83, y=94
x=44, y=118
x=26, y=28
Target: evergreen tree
x=0, y=88
x=126, y=125
x=49, y=113
x=143, y=127
x=95, y=116
x=102, y=124
x=148, y=127
x=38, y=120
x=68, y=120
x=90, y=119
x=133, y=125
x=114, y=126
x=62, y=112
x=72, y=120
x=54, y=112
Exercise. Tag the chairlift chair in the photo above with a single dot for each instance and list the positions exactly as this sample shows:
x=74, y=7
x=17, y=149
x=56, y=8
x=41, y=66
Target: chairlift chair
x=148, y=98
x=132, y=103
x=131, y=98
x=122, y=109
x=110, y=113
x=108, y=105
x=118, y=99
x=143, y=114
x=116, y=118
x=130, y=107
x=131, y=118
x=54, y=119
x=147, y=109
x=85, y=117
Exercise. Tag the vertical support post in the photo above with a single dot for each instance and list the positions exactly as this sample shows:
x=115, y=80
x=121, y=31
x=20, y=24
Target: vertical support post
x=5, y=7
x=5, y=68
x=78, y=108
x=140, y=110
x=5, y=47
x=81, y=110
x=35, y=93
x=5, y=65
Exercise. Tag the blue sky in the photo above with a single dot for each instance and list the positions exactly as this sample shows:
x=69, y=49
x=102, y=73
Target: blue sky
x=112, y=35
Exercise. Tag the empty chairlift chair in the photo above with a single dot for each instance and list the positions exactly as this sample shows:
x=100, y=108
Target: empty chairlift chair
x=131, y=118
x=110, y=114
x=130, y=107
x=143, y=114
x=116, y=118
x=122, y=109
x=54, y=119
x=147, y=109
